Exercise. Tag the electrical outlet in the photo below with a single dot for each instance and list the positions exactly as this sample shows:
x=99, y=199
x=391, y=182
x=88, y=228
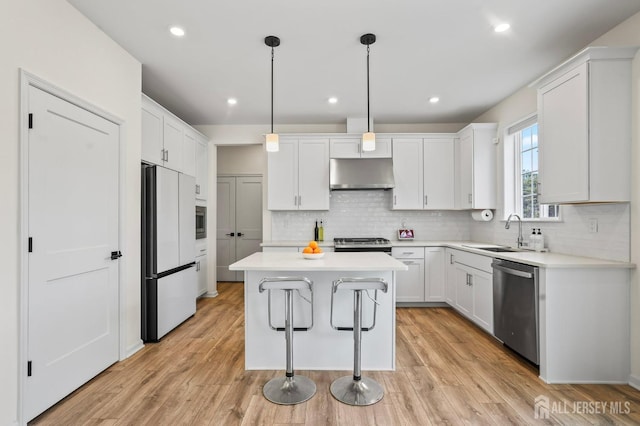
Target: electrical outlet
x=593, y=225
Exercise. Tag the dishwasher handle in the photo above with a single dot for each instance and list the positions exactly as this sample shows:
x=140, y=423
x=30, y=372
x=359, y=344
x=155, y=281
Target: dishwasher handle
x=511, y=271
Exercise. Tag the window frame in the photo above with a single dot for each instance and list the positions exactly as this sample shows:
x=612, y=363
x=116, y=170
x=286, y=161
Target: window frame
x=513, y=171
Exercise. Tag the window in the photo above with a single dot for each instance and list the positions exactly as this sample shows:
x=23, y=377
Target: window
x=521, y=150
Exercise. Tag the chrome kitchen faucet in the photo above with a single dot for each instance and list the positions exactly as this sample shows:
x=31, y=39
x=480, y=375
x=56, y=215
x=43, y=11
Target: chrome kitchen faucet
x=508, y=224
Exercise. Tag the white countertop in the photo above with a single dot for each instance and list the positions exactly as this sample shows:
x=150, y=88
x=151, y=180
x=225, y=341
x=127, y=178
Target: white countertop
x=362, y=261
x=543, y=260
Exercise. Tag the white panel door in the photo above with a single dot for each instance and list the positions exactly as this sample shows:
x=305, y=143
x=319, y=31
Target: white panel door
x=282, y=169
x=167, y=218
x=439, y=177
x=73, y=203
x=313, y=174
x=248, y=217
x=225, y=228
x=407, y=173
x=187, y=217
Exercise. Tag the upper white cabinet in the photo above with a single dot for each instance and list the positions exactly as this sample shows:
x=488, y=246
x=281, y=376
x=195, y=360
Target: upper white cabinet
x=298, y=175
x=202, y=168
x=584, y=126
x=423, y=170
x=351, y=147
x=166, y=140
x=476, y=167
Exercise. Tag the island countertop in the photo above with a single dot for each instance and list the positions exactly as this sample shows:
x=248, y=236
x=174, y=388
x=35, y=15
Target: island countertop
x=358, y=261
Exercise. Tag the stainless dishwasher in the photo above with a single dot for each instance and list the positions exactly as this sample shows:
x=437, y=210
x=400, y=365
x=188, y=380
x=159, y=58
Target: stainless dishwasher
x=515, y=307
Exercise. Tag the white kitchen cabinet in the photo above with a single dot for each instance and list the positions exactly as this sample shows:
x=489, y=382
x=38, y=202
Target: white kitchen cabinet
x=167, y=141
x=189, y=153
x=584, y=128
x=424, y=173
x=476, y=167
x=450, y=278
x=298, y=175
x=434, y=274
x=472, y=277
x=410, y=284
x=201, y=272
x=202, y=168
x=351, y=147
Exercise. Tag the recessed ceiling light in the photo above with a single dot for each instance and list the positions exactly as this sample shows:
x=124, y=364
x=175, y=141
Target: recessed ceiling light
x=434, y=99
x=177, y=31
x=500, y=28
x=232, y=101
x=333, y=100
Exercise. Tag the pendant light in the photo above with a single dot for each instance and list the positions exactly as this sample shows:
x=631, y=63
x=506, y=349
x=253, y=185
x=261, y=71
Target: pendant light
x=272, y=139
x=368, y=138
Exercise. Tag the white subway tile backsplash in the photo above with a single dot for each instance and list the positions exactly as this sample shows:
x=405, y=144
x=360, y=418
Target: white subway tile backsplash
x=368, y=214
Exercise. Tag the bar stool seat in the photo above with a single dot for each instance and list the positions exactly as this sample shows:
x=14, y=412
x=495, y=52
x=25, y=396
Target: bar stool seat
x=355, y=389
x=291, y=389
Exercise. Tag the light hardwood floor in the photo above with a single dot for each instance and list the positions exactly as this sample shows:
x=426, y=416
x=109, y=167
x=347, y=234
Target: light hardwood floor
x=448, y=371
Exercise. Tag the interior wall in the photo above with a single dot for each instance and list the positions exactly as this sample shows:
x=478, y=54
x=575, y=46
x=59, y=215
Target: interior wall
x=241, y=160
x=52, y=40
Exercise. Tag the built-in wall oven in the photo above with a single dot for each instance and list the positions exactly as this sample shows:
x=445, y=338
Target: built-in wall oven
x=515, y=307
x=201, y=222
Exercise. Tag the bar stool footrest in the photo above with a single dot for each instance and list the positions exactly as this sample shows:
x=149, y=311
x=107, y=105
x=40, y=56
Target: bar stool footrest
x=361, y=392
x=289, y=390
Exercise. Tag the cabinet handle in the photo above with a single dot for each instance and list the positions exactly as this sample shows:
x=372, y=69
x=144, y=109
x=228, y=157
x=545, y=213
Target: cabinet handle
x=407, y=252
x=162, y=154
x=197, y=189
x=394, y=200
x=451, y=259
x=203, y=250
x=197, y=266
x=469, y=280
x=407, y=262
x=425, y=200
x=470, y=198
x=295, y=200
x=299, y=200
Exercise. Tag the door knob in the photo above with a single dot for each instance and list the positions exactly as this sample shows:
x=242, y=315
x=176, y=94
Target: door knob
x=231, y=234
x=116, y=255
x=240, y=234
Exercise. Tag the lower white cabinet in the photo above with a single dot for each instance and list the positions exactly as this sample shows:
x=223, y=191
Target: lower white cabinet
x=201, y=271
x=424, y=280
x=471, y=277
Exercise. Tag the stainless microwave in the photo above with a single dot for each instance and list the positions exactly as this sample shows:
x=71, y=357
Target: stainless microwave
x=201, y=222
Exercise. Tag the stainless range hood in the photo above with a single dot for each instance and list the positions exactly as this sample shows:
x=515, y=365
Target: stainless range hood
x=361, y=173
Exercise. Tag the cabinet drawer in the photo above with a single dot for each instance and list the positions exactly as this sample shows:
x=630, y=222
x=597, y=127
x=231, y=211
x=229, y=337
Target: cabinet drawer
x=477, y=261
x=408, y=252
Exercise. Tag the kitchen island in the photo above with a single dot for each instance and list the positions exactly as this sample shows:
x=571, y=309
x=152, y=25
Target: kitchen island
x=322, y=347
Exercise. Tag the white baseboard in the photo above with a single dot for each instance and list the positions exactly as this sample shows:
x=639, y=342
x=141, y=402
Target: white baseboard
x=134, y=348
x=634, y=381
x=210, y=294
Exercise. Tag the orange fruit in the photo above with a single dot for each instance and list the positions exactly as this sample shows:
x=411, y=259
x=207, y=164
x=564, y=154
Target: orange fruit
x=313, y=244
x=317, y=250
x=307, y=250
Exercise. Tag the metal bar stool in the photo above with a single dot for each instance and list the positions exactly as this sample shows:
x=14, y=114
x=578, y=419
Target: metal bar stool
x=290, y=389
x=357, y=390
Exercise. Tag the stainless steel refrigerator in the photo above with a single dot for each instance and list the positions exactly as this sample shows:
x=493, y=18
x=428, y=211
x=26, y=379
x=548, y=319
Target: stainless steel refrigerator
x=169, y=281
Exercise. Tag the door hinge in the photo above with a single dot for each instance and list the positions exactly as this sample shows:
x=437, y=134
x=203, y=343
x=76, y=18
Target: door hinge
x=30, y=120
x=30, y=244
x=28, y=368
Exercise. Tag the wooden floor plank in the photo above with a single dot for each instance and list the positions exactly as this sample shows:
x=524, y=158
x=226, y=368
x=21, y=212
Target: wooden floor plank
x=448, y=372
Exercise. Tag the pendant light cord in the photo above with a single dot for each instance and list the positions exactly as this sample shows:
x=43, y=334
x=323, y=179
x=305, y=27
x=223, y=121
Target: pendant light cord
x=272, y=89
x=368, y=120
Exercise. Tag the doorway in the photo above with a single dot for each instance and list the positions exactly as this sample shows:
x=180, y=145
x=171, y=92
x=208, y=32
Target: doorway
x=239, y=217
x=71, y=273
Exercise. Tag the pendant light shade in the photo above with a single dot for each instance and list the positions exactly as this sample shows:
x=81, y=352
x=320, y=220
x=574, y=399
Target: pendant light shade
x=272, y=140
x=368, y=138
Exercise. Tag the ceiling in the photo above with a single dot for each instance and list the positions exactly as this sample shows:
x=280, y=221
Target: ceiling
x=424, y=48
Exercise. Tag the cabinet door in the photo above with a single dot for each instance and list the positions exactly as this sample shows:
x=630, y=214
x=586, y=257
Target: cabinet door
x=407, y=172
x=482, y=283
x=201, y=270
x=450, y=283
x=464, y=290
x=434, y=276
x=168, y=219
x=465, y=170
x=282, y=173
x=345, y=148
x=383, y=149
x=187, y=218
x=173, y=134
x=410, y=283
x=313, y=174
x=189, y=154
x=152, y=148
x=439, y=176
x=202, y=169
x=563, y=130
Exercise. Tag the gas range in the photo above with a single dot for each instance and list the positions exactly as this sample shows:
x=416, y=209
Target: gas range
x=362, y=244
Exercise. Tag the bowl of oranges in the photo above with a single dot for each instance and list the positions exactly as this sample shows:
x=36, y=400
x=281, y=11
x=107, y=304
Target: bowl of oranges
x=312, y=251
